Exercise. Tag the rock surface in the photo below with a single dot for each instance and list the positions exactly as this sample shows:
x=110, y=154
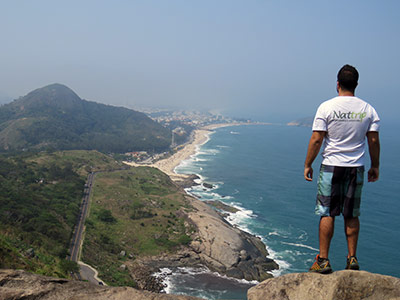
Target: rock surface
x=215, y=244
x=220, y=246
x=18, y=284
x=186, y=181
x=341, y=285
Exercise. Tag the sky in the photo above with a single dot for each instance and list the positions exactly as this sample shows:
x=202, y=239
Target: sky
x=267, y=60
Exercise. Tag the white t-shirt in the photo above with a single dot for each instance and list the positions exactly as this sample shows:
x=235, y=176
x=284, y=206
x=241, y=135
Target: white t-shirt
x=346, y=121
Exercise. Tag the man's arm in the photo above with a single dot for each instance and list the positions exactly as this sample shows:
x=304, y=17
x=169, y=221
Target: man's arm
x=374, y=151
x=313, y=148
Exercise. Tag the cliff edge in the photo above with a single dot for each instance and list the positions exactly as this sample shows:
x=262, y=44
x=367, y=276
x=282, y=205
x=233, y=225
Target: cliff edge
x=215, y=244
x=18, y=284
x=341, y=285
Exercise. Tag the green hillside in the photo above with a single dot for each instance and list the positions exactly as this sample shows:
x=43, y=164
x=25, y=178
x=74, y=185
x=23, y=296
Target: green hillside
x=54, y=117
x=138, y=211
x=40, y=197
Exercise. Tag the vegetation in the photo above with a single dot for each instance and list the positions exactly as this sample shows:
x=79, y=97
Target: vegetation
x=133, y=212
x=136, y=212
x=39, y=206
x=55, y=118
x=40, y=196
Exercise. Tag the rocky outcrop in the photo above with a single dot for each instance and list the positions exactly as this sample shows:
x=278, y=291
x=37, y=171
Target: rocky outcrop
x=226, y=249
x=184, y=180
x=17, y=284
x=341, y=285
x=208, y=185
x=222, y=206
x=215, y=244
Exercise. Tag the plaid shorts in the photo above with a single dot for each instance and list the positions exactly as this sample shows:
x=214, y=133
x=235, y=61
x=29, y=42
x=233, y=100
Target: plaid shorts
x=339, y=191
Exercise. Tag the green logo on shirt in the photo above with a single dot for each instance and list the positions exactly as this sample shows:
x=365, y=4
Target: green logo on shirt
x=349, y=116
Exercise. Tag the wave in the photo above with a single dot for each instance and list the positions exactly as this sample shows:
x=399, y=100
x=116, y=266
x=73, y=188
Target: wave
x=164, y=275
x=300, y=245
x=193, y=278
x=244, y=219
x=196, y=159
x=274, y=233
x=208, y=152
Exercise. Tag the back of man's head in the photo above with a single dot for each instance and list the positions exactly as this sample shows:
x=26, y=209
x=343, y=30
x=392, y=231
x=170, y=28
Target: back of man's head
x=348, y=78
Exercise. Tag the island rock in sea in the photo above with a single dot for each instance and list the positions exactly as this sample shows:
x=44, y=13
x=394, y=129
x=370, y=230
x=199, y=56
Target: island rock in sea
x=18, y=285
x=341, y=285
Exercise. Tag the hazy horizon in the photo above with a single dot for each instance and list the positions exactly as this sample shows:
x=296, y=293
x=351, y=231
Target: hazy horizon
x=265, y=60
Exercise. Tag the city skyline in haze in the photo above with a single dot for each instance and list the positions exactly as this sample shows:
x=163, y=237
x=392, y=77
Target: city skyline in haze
x=266, y=60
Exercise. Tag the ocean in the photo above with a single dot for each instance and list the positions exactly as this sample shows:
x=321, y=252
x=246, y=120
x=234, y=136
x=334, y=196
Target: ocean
x=259, y=169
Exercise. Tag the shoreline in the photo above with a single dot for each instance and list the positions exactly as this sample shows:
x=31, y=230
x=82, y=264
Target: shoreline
x=199, y=137
x=239, y=254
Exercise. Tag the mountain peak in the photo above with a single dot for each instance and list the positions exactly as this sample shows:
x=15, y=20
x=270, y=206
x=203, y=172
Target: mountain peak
x=53, y=92
x=55, y=117
x=57, y=87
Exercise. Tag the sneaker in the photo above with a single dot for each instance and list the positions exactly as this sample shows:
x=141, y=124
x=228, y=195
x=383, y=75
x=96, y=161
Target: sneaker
x=352, y=263
x=321, y=265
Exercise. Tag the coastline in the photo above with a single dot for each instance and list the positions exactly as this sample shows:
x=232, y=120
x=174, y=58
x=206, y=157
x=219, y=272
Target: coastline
x=217, y=244
x=199, y=137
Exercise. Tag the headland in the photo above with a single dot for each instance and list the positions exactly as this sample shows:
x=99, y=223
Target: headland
x=215, y=244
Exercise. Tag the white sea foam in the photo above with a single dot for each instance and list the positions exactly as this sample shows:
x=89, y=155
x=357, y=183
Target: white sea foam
x=166, y=275
x=274, y=233
x=208, y=152
x=200, y=180
x=300, y=245
x=197, y=159
x=303, y=235
x=243, y=217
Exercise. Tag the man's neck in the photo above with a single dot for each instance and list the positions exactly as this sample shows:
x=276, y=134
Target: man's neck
x=346, y=93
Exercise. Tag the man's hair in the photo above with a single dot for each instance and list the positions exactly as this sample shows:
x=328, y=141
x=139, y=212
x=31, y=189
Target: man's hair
x=348, y=78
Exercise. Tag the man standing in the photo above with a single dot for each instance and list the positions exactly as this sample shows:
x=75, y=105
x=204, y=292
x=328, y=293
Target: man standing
x=342, y=124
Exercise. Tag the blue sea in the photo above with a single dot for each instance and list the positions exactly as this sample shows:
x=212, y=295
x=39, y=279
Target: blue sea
x=259, y=169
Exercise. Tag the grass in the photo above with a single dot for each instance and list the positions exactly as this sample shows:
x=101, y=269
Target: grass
x=147, y=219
x=136, y=210
x=40, y=198
x=82, y=161
x=14, y=255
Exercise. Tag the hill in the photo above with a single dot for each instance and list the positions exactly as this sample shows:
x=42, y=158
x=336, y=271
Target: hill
x=40, y=197
x=55, y=117
x=139, y=222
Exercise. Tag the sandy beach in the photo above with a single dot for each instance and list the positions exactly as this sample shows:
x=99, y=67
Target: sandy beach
x=199, y=137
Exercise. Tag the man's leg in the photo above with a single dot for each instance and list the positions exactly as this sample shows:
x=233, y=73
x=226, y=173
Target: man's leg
x=326, y=229
x=352, y=228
